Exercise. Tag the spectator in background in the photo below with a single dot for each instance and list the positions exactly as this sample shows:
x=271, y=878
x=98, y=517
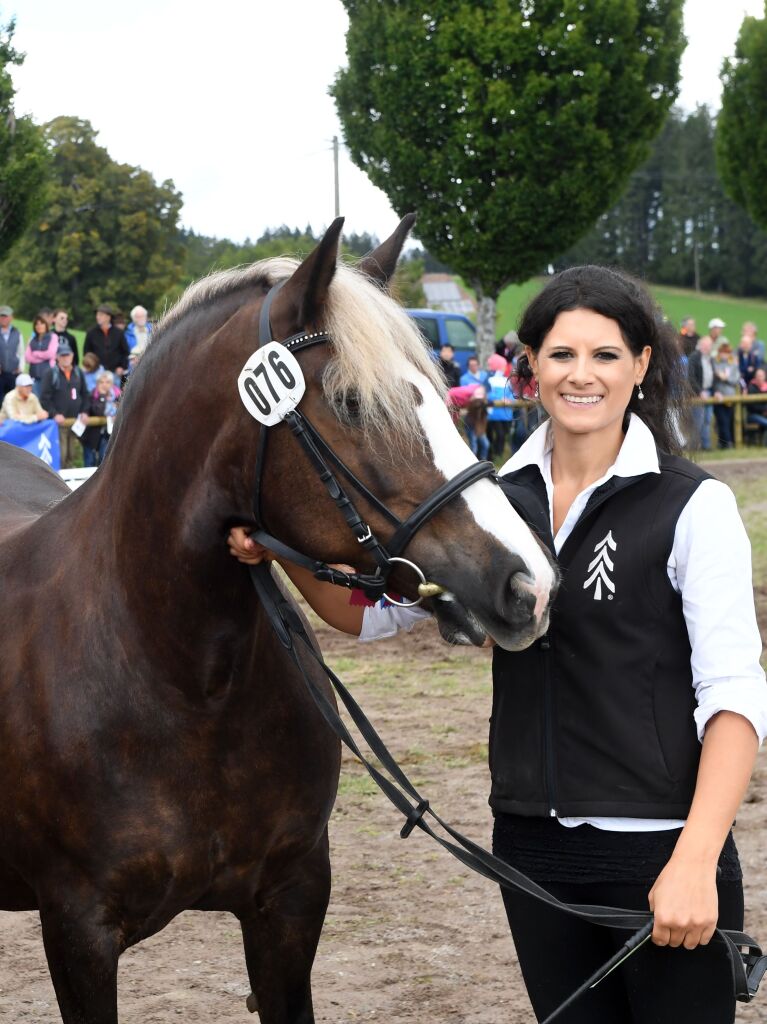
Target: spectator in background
x=499, y=397
x=92, y=370
x=748, y=361
x=451, y=371
x=473, y=373
x=688, y=335
x=20, y=404
x=11, y=352
x=475, y=423
x=64, y=397
x=60, y=324
x=41, y=351
x=107, y=342
x=726, y=384
x=757, y=413
x=749, y=327
x=102, y=402
x=700, y=371
x=715, y=328
x=47, y=314
x=139, y=330
x=508, y=347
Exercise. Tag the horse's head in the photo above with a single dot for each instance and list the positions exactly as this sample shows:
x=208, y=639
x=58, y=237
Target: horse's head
x=375, y=397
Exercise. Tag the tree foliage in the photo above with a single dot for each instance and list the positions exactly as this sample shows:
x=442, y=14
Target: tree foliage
x=674, y=224
x=742, y=125
x=107, y=233
x=23, y=156
x=507, y=125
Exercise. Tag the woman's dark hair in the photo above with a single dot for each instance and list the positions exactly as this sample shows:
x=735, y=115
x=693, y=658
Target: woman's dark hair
x=623, y=299
x=39, y=318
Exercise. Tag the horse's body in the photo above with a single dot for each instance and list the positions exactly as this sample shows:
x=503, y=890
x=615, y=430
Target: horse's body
x=158, y=751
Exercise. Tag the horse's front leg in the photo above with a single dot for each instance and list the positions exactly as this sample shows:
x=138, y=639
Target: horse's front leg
x=82, y=956
x=281, y=932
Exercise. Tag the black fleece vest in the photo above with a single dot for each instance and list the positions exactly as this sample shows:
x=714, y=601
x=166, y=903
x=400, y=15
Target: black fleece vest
x=596, y=717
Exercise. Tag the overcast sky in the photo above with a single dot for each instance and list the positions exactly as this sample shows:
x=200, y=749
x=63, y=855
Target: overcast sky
x=230, y=99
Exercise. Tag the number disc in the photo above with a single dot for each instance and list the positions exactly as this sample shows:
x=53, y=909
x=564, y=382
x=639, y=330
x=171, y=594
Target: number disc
x=271, y=384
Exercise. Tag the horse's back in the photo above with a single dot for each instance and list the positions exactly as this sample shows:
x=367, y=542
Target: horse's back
x=27, y=488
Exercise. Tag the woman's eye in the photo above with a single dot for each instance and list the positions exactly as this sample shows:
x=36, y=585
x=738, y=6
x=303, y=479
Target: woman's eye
x=560, y=355
x=606, y=357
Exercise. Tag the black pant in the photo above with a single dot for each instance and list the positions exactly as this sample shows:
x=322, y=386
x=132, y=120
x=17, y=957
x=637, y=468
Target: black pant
x=657, y=985
x=7, y=383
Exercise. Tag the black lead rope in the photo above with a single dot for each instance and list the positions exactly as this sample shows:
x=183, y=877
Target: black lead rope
x=747, y=968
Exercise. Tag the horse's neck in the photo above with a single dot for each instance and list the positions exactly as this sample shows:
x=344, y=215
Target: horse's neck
x=163, y=565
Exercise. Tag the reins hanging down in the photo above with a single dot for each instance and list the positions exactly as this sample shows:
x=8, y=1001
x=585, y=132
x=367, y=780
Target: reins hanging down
x=747, y=968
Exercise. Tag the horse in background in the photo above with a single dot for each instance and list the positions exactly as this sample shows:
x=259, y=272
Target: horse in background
x=160, y=751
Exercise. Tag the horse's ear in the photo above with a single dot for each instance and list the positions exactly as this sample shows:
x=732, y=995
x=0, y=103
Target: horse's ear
x=301, y=298
x=381, y=263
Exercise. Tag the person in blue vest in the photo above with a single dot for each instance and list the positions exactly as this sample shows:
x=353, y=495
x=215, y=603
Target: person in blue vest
x=473, y=374
x=500, y=414
x=623, y=740
x=11, y=352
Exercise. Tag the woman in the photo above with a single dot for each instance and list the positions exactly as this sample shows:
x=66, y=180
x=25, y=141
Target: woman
x=41, y=351
x=102, y=401
x=726, y=384
x=622, y=742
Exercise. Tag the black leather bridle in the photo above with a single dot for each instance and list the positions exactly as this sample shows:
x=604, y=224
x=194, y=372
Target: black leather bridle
x=328, y=465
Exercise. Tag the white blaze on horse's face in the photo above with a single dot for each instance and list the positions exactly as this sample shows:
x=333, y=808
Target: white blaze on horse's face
x=486, y=501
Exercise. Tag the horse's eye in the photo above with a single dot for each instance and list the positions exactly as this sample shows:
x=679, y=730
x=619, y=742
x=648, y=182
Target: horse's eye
x=348, y=407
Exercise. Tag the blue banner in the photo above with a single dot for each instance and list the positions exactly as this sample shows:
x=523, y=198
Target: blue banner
x=41, y=439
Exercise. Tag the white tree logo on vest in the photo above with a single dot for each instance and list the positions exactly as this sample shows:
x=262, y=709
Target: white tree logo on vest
x=600, y=567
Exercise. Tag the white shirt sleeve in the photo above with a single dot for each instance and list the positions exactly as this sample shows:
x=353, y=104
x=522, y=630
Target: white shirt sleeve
x=379, y=622
x=710, y=566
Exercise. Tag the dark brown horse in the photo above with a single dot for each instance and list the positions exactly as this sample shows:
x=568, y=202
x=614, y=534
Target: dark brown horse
x=157, y=750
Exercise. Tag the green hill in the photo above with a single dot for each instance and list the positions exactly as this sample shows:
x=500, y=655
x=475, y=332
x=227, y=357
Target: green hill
x=675, y=302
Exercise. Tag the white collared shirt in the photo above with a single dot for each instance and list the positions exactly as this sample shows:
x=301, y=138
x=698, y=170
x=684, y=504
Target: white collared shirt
x=709, y=567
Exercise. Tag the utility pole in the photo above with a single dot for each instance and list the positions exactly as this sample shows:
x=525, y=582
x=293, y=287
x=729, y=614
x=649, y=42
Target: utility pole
x=335, y=175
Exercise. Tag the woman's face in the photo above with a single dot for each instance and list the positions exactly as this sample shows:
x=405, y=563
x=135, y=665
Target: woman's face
x=586, y=372
x=40, y=326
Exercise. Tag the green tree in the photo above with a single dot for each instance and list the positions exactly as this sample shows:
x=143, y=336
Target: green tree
x=23, y=156
x=107, y=233
x=674, y=224
x=741, y=138
x=507, y=125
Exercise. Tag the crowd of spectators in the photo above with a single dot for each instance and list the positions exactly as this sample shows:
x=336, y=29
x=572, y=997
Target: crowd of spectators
x=47, y=377
x=717, y=371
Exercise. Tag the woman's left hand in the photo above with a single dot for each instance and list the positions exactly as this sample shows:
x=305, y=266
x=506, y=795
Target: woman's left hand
x=685, y=903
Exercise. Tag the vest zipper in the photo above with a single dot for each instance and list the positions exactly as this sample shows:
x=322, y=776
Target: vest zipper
x=548, y=726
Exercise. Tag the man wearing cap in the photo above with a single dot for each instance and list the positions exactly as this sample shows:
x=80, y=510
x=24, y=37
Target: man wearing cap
x=108, y=342
x=11, y=352
x=715, y=328
x=64, y=396
x=20, y=404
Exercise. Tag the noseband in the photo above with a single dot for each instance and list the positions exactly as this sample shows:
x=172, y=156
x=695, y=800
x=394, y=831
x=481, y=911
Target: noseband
x=328, y=466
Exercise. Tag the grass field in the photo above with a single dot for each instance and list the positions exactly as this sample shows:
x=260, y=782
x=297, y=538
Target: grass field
x=675, y=302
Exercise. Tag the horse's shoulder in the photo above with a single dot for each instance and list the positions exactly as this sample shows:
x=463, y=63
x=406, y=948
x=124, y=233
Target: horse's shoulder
x=28, y=488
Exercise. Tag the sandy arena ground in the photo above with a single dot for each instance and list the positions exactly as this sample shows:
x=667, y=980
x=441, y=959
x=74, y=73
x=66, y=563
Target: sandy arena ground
x=410, y=934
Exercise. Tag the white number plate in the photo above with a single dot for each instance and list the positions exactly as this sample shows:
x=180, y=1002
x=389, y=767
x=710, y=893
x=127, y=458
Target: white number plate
x=271, y=384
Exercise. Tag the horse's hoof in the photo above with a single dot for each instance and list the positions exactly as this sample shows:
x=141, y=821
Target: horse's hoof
x=251, y=1003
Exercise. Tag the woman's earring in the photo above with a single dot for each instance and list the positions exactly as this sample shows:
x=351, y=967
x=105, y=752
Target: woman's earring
x=537, y=390
x=640, y=393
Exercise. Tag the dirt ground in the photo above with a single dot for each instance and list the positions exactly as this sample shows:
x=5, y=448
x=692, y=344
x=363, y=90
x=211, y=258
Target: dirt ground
x=410, y=934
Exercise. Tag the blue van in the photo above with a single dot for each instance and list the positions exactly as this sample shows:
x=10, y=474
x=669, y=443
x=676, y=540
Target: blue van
x=447, y=329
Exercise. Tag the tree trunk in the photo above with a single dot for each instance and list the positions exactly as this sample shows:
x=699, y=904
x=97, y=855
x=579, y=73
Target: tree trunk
x=485, y=325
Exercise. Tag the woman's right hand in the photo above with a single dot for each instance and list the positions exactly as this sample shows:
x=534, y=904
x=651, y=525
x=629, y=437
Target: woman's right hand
x=247, y=550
